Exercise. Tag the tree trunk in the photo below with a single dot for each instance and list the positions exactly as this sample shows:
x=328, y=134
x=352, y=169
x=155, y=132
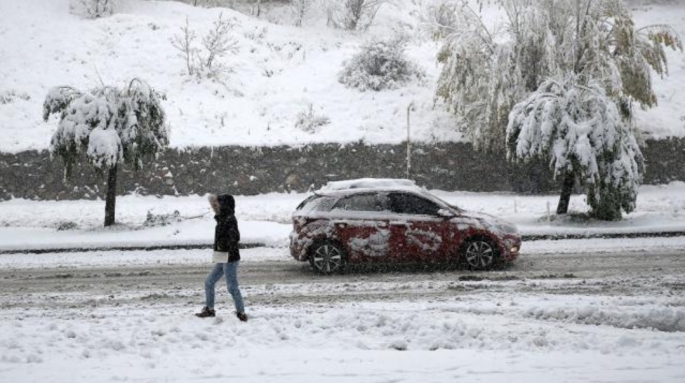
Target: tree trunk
x=566, y=190
x=111, y=199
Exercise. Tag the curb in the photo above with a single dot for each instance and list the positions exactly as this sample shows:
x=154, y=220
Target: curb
x=525, y=237
x=124, y=248
x=557, y=237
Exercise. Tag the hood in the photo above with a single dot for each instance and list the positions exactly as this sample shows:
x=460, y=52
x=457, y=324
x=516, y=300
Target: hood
x=226, y=205
x=490, y=221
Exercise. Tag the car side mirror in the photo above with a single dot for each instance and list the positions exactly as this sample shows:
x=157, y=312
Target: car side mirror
x=445, y=213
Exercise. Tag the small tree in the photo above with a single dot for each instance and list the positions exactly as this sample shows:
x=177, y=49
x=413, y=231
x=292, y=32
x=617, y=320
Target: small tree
x=441, y=17
x=581, y=131
x=111, y=126
x=354, y=15
x=92, y=9
x=300, y=9
x=218, y=43
x=184, y=44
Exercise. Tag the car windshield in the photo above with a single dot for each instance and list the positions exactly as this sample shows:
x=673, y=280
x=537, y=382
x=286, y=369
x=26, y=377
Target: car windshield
x=442, y=203
x=316, y=203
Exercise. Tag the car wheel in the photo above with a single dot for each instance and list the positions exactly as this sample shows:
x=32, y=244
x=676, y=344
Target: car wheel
x=327, y=258
x=479, y=254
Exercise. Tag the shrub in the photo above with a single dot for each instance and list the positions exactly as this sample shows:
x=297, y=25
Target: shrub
x=309, y=121
x=379, y=65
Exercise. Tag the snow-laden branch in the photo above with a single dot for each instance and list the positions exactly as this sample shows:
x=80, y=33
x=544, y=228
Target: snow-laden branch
x=110, y=125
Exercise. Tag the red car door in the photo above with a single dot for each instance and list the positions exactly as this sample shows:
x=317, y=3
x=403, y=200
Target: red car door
x=361, y=223
x=420, y=234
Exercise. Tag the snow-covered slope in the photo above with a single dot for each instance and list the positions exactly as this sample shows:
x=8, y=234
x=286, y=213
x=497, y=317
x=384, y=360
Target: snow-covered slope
x=278, y=72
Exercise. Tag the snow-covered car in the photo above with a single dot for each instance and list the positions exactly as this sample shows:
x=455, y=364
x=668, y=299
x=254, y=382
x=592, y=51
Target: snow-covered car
x=387, y=220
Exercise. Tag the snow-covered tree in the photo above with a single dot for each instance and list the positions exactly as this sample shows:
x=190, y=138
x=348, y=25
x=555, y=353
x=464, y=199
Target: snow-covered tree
x=380, y=64
x=301, y=8
x=582, y=133
x=353, y=15
x=441, y=17
x=487, y=72
x=218, y=43
x=110, y=126
x=187, y=50
x=92, y=9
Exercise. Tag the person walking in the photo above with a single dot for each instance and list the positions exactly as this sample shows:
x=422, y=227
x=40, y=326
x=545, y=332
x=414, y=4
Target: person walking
x=226, y=256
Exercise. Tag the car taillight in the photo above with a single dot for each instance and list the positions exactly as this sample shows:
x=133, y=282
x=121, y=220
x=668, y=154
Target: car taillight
x=299, y=223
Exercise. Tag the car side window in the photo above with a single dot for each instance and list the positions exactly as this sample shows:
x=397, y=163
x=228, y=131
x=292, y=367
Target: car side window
x=361, y=202
x=403, y=203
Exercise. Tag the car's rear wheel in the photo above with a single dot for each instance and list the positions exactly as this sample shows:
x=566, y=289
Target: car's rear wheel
x=479, y=254
x=327, y=258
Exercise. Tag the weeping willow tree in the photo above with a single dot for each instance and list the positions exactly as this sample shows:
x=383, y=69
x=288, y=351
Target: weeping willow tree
x=550, y=53
x=111, y=126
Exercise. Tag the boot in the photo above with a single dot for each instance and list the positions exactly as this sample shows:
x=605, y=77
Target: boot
x=206, y=312
x=242, y=317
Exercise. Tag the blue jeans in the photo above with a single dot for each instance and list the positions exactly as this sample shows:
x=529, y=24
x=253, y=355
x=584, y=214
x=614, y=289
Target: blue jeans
x=230, y=270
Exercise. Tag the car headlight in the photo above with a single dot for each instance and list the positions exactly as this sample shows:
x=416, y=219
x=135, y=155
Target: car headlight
x=512, y=246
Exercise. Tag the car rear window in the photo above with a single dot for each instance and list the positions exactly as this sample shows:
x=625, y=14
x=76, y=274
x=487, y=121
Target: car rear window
x=316, y=203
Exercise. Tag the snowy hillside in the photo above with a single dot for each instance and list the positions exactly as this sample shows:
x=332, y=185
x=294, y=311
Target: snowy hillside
x=278, y=72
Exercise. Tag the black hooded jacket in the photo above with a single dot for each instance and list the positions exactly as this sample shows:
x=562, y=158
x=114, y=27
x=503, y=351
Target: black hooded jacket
x=226, y=234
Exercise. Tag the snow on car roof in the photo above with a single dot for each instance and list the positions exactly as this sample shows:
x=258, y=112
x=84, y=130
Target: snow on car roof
x=369, y=183
x=347, y=187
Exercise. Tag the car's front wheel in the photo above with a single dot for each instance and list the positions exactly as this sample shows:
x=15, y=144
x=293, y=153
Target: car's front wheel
x=479, y=254
x=327, y=258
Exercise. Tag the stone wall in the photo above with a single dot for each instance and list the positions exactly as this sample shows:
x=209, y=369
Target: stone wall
x=248, y=171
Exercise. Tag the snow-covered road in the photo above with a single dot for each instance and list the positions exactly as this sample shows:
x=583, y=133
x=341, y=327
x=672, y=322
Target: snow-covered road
x=605, y=317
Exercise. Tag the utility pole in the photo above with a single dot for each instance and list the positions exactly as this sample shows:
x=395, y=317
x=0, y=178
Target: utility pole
x=411, y=105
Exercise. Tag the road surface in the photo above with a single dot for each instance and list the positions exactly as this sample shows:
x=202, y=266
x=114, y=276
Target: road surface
x=286, y=282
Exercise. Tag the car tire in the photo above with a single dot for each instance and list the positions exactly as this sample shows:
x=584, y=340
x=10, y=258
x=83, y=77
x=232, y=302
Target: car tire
x=327, y=257
x=479, y=254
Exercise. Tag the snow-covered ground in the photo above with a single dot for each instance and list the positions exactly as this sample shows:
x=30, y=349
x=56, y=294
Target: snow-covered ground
x=279, y=71
x=484, y=338
x=613, y=313
x=266, y=218
x=126, y=323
